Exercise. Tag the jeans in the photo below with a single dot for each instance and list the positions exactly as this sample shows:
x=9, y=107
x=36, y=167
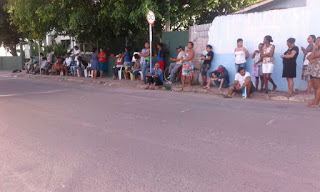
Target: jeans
x=126, y=63
x=240, y=65
x=135, y=73
x=145, y=66
x=225, y=84
x=73, y=69
x=173, y=70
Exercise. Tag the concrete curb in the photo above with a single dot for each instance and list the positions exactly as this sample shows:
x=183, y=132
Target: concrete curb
x=196, y=89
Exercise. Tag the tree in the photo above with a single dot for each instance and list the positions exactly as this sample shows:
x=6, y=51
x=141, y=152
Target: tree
x=103, y=20
x=9, y=34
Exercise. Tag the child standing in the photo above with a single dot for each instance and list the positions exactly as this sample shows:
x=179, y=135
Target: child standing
x=257, y=68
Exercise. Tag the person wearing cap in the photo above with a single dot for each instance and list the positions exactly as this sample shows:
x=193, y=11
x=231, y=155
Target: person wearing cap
x=175, y=67
x=220, y=77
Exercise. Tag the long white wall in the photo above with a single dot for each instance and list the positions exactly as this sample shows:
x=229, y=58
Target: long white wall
x=280, y=24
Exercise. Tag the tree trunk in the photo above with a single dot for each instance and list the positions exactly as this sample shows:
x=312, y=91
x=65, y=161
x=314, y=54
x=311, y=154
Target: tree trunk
x=13, y=50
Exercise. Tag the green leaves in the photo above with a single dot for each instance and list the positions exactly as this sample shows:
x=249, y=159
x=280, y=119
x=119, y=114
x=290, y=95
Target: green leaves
x=92, y=20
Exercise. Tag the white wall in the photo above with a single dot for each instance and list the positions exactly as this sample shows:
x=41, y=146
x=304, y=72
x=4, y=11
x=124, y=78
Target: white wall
x=280, y=24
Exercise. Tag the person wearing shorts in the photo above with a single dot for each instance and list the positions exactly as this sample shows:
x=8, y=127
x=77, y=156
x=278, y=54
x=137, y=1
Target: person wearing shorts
x=188, y=67
x=207, y=59
x=257, y=67
x=102, y=62
x=242, y=80
x=267, y=58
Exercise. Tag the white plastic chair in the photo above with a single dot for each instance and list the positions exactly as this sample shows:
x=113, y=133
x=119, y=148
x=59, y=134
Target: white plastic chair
x=120, y=71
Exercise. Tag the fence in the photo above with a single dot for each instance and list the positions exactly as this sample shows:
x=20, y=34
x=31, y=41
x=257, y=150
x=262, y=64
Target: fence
x=10, y=63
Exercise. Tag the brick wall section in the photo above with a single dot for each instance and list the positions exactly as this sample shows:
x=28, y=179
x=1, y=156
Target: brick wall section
x=198, y=34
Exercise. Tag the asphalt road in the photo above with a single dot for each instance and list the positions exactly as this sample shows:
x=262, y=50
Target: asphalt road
x=68, y=137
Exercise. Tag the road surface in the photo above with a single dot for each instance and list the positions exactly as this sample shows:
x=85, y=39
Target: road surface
x=69, y=137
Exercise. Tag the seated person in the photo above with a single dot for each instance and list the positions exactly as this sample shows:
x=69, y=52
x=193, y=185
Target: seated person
x=58, y=65
x=43, y=66
x=242, y=79
x=117, y=65
x=137, y=67
x=82, y=64
x=66, y=66
x=155, y=78
x=175, y=67
x=29, y=66
x=220, y=77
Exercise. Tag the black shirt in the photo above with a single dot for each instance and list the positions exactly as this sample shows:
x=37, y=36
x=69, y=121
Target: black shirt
x=293, y=59
x=210, y=54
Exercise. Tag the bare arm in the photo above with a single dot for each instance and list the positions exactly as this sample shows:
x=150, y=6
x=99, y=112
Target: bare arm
x=293, y=53
x=254, y=54
x=269, y=54
x=247, y=53
x=247, y=82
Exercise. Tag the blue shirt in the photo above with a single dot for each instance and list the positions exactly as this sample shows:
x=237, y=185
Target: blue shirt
x=126, y=57
x=153, y=72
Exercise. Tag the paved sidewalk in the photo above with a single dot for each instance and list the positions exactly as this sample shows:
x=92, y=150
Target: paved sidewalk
x=278, y=96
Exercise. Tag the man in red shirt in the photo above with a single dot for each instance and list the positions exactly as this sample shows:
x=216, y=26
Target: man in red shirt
x=102, y=62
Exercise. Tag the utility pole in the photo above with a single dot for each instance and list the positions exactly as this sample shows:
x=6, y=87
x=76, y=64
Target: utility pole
x=167, y=27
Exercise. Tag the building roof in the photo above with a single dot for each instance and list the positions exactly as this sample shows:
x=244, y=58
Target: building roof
x=254, y=6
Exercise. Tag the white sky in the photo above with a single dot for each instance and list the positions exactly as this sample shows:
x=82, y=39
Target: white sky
x=3, y=52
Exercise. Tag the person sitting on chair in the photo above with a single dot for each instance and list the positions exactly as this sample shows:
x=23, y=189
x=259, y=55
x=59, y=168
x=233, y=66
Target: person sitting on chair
x=43, y=66
x=29, y=66
x=117, y=65
x=175, y=67
x=137, y=67
x=155, y=78
x=220, y=77
x=242, y=79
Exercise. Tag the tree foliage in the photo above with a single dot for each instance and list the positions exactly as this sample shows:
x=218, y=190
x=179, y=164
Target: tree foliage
x=102, y=20
x=9, y=34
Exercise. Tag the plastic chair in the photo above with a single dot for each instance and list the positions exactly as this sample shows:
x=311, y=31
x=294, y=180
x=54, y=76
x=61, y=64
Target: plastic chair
x=120, y=71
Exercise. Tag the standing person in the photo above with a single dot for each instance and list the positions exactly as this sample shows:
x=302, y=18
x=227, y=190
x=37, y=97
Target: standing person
x=206, y=64
x=145, y=58
x=290, y=64
x=50, y=60
x=175, y=67
x=126, y=59
x=241, y=54
x=160, y=56
x=306, y=69
x=76, y=53
x=257, y=68
x=188, y=67
x=102, y=62
x=268, y=62
x=94, y=63
x=155, y=78
x=314, y=59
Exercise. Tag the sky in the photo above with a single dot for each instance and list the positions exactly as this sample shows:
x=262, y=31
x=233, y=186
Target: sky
x=3, y=52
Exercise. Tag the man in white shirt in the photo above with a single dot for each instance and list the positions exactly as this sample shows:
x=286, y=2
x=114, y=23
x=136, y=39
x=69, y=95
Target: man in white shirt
x=242, y=79
x=68, y=62
x=175, y=67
